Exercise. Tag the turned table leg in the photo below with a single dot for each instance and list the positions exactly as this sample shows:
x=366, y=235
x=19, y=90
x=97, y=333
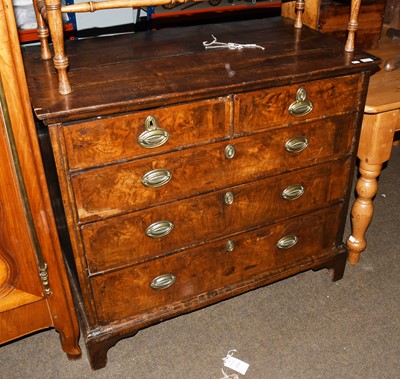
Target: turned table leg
x=299, y=7
x=42, y=32
x=363, y=209
x=376, y=140
x=352, y=25
x=54, y=15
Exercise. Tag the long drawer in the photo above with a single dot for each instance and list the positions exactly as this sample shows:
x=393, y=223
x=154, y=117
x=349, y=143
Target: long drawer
x=150, y=233
x=285, y=105
x=163, y=283
x=136, y=185
x=103, y=141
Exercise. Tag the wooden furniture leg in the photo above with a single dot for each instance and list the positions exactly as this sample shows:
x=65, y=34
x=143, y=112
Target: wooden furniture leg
x=335, y=266
x=54, y=17
x=69, y=341
x=353, y=25
x=97, y=350
x=43, y=33
x=376, y=140
x=363, y=209
x=299, y=7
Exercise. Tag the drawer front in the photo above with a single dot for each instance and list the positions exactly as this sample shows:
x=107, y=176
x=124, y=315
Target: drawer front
x=285, y=105
x=119, y=189
x=153, y=232
x=194, y=273
x=103, y=141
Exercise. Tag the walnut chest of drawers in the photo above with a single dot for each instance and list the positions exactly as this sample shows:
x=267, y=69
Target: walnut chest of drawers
x=188, y=176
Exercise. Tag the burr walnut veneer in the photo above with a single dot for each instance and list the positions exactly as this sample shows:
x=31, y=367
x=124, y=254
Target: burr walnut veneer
x=188, y=175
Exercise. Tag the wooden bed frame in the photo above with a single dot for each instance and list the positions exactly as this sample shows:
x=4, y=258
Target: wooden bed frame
x=49, y=18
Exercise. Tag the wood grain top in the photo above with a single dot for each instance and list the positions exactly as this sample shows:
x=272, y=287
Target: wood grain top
x=156, y=68
x=384, y=87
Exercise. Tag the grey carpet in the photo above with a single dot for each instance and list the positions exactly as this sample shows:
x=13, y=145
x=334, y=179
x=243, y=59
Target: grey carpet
x=302, y=327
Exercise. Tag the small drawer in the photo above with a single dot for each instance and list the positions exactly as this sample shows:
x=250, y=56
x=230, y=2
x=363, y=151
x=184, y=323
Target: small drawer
x=150, y=233
x=270, y=108
x=199, y=273
x=132, y=186
x=121, y=138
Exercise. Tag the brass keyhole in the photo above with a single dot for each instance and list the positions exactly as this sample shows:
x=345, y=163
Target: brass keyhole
x=230, y=151
x=228, y=198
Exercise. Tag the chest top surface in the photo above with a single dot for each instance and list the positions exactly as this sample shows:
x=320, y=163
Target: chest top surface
x=157, y=68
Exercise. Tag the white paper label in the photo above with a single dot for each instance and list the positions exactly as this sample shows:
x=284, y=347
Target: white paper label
x=236, y=365
x=352, y=239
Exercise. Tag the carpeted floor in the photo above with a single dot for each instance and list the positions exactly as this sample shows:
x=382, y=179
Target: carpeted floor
x=302, y=327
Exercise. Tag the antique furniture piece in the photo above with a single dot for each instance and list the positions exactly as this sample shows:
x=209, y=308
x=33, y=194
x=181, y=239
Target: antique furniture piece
x=332, y=17
x=190, y=175
x=49, y=17
x=381, y=121
x=34, y=288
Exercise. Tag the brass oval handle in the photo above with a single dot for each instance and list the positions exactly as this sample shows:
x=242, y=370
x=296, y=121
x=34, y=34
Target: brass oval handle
x=296, y=145
x=162, y=282
x=230, y=151
x=153, y=136
x=287, y=242
x=293, y=192
x=156, y=178
x=229, y=198
x=159, y=229
x=302, y=106
x=150, y=139
x=230, y=246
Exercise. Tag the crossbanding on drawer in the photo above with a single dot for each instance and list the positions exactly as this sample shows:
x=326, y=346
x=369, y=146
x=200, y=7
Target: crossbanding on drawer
x=284, y=105
x=149, y=233
x=164, y=282
x=132, y=186
x=118, y=138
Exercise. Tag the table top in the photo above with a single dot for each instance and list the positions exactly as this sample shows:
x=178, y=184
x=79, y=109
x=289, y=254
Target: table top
x=384, y=86
x=124, y=73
